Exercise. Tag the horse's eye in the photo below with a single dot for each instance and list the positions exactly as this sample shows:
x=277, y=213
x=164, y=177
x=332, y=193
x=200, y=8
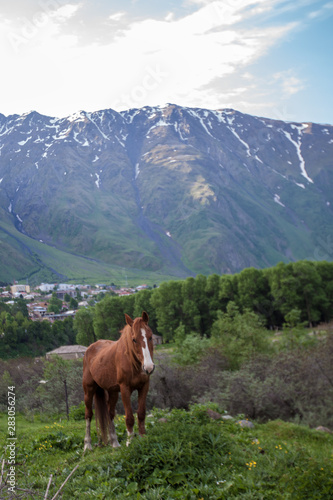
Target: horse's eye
x=135, y=341
x=150, y=339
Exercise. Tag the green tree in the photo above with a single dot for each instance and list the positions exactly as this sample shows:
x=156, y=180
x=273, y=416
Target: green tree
x=109, y=316
x=212, y=291
x=142, y=302
x=310, y=291
x=73, y=303
x=84, y=326
x=254, y=293
x=20, y=306
x=167, y=302
x=325, y=271
x=191, y=349
x=63, y=332
x=55, y=304
x=190, y=308
x=299, y=286
x=293, y=330
x=239, y=336
x=228, y=290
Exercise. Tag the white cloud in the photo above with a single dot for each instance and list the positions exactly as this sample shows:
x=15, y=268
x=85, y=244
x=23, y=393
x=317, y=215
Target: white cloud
x=64, y=12
x=148, y=62
x=290, y=84
x=117, y=16
x=169, y=17
x=324, y=11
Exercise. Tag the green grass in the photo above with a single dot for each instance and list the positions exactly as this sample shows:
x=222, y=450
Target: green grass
x=38, y=265
x=189, y=456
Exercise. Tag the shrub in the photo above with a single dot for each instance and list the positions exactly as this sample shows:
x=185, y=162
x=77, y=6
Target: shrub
x=77, y=412
x=294, y=386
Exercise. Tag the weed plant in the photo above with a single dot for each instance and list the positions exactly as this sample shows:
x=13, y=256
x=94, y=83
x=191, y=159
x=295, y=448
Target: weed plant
x=185, y=454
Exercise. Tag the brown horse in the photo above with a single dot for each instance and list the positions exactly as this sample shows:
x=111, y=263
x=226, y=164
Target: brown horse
x=110, y=367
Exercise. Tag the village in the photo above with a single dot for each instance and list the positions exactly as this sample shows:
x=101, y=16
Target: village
x=72, y=297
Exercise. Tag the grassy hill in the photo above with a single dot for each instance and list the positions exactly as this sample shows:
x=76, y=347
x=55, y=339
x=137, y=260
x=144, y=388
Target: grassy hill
x=187, y=455
x=21, y=255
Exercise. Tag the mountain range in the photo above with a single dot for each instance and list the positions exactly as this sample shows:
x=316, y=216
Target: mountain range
x=161, y=192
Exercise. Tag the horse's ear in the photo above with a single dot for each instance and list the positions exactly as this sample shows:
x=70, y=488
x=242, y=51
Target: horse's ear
x=129, y=320
x=145, y=317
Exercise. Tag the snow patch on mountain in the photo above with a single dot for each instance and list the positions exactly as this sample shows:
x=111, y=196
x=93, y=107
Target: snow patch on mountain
x=248, y=152
x=277, y=200
x=298, y=145
x=160, y=123
x=130, y=115
x=22, y=143
x=196, y=115
x=89, y=115
x=220, y=116
x=120, y=142
x=78, y=116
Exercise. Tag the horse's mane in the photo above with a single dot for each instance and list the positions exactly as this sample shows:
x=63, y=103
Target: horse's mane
x=126, y=339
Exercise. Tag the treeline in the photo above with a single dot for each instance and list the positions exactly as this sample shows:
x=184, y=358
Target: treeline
x=300, y=292
x=20, y=336
x=295, y=293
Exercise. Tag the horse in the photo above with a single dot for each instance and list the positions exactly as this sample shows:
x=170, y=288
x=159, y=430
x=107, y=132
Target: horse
x=110, y=367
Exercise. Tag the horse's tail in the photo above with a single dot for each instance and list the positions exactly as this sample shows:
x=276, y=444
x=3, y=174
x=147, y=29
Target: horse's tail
x=101, y=413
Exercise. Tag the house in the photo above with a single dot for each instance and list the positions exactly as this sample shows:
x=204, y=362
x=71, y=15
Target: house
x=61, y=293
x=141, y=287
x=67, y=352
x=84, y=303
x=17, y=289
x=46, y=287
x=60, y=317
x=37, y=311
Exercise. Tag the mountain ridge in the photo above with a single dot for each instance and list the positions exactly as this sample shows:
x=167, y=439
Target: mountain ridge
x=168, y=189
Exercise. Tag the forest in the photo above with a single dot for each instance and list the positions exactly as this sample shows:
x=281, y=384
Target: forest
x=299, y=293
x=296, y=293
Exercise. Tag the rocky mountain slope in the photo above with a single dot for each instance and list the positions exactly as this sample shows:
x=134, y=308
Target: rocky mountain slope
x=167, y=189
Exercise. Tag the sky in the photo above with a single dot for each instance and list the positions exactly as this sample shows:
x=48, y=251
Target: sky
x=269, y=58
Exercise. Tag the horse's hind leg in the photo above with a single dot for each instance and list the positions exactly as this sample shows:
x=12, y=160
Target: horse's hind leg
x=113, y=398
x=87, y=439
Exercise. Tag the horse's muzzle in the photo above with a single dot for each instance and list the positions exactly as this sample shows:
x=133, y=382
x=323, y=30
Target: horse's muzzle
x=149, y=369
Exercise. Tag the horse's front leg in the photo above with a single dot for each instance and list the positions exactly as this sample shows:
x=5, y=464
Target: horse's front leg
x=126, y=399
x=142, y=396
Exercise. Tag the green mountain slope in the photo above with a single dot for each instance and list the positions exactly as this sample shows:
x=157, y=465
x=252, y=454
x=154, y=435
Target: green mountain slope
x=173, y=191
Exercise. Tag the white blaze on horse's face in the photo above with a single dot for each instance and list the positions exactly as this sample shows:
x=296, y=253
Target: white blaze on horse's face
x=148, y=364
